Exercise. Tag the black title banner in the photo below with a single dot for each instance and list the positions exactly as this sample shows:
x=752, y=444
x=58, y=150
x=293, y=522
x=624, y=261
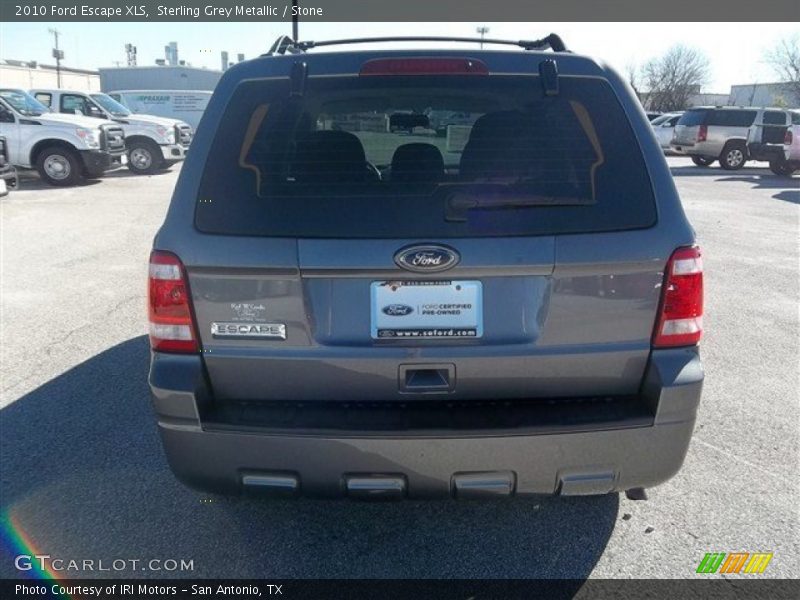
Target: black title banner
x=395, y=10
x=393, y=589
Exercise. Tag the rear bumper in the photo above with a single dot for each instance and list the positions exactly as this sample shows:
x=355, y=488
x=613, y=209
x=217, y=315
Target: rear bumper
x=696, y=149
x=591, y=459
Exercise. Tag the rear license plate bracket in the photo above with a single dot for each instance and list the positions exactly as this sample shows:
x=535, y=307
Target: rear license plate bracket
x=426, y=309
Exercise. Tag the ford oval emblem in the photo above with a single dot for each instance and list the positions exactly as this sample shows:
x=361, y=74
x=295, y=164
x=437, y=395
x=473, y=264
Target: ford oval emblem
x=397, y=310
x=428, y=258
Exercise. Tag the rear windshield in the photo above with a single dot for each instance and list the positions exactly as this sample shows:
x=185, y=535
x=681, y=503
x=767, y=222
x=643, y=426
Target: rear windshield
x=423, y=157
x=692, y=118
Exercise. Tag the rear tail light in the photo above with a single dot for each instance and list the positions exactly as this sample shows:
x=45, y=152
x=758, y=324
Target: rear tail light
x=171, y=326
x=680, y=318
x=702, y=133
x=787, y=138
x=424, y=66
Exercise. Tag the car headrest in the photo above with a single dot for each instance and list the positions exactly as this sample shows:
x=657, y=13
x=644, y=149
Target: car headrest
x=417, y=162
x=329, y=157
x=494, y=145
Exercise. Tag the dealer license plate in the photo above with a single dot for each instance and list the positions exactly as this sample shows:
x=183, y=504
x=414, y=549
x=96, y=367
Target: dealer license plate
x=426, y=309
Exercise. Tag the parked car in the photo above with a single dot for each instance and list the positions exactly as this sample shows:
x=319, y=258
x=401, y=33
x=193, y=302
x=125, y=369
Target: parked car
x=441, y=120
x=652, y=115
x=719, y=133
x=407, y=121
x=62, y=148
x=772, y=140
x=152, y=143
x=8, y=174
x=184, y=105
x=519, y=317
x=664, y=128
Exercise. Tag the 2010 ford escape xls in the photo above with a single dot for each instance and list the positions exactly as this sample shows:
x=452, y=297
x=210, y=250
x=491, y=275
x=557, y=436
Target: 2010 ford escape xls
x=510, y=304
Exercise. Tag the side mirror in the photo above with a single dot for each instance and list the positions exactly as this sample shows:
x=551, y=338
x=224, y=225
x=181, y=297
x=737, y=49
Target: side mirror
x=6, y=116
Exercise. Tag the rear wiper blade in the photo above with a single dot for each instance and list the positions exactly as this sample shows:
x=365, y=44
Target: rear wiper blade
x=458, y=204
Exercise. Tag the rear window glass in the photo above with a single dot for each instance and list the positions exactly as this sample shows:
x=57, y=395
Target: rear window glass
x=732, y=118
x=692, y=118
x=423, y=157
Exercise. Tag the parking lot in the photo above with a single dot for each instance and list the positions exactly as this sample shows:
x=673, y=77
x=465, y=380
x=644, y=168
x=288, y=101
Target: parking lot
x=84, y=477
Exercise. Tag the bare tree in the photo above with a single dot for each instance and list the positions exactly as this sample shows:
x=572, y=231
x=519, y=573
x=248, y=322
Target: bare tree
x=632, y=72
x=785, y=62
x=672, y=79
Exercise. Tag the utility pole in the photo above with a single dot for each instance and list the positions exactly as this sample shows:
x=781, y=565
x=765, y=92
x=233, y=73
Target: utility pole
x=58, y=55
x=483, y=30
x=295, y=21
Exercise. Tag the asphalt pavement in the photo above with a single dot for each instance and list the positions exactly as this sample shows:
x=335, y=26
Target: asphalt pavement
x=83, y=475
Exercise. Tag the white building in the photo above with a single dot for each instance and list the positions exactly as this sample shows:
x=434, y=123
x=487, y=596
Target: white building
x=158, y=78
x=30, y=75
x=763, y=94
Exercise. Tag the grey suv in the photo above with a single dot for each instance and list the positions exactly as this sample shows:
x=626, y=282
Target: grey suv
x=340, y=310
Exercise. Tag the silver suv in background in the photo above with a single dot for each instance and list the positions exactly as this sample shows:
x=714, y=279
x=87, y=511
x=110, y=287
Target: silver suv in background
x=719, y=133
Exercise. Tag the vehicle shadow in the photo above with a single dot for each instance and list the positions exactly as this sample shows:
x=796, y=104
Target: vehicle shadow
x=84, y=476
x=125, y=172
x=790, y=187
x=30, y=181
x=712, y=171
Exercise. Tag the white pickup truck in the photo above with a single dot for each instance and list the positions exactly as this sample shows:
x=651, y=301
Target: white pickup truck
x=62, y=148
x=153, y=143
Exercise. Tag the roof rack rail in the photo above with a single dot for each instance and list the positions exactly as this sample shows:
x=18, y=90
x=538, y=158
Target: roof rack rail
x=286, y=44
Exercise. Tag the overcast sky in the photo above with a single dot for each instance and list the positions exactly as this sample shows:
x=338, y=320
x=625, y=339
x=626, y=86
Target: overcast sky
x=736, y=50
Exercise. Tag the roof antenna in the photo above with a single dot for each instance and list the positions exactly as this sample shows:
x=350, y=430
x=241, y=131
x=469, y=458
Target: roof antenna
x=295, y=20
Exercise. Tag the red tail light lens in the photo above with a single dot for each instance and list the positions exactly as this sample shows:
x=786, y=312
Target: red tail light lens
x=787, y=138
x=680, y=319
x=702, y=133
x=171, y=327
x=424, y=66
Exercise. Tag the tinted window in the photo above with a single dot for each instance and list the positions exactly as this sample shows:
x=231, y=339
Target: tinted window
x=422, y=157
x=692, y=118
x=732, y=118
x=774, y=117
x=795, y=118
